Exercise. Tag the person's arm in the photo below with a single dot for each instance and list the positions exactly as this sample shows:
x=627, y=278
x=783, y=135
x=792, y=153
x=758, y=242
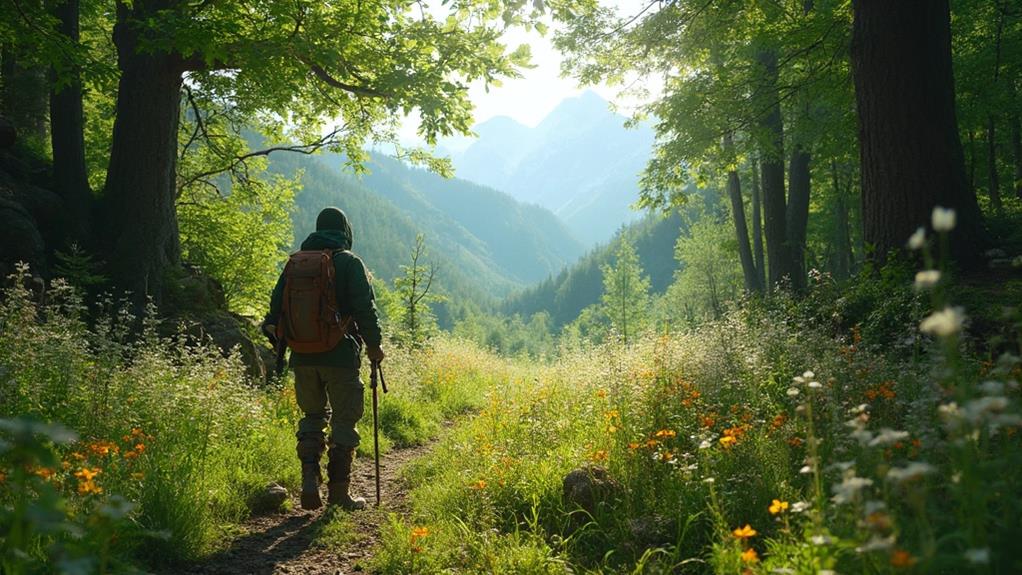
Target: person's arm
x=362, y=300
x=273, y=316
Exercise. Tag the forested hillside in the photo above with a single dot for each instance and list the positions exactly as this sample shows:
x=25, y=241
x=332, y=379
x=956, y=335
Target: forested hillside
x=486, y=243
x=581, y=162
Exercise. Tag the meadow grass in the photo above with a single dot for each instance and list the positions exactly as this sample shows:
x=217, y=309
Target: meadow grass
x=754, y=444
x=162, y=439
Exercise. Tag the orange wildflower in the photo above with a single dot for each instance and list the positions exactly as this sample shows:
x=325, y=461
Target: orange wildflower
x=708, y=421
x=666, y=433
x=479, y=484
x=44, y=472
x=419, y=533
x=86, y=474
x=633, y=446
x=744, y=532
x=779, y=420
x=902, y=558
x=750, y=555
x=600, y=455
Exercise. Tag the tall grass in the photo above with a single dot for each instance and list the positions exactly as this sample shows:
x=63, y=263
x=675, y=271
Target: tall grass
x=754, y=444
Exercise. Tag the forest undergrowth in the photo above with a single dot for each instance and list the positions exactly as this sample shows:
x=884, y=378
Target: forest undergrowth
x=122, y=451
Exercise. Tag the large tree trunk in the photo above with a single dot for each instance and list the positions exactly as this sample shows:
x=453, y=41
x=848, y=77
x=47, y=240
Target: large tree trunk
x=910, y=152
x=751, y=275
x=141, y=223
x=67, y=136
x=772, y=172
x=757, y=226
x=993, y=179
x=1016, y=152
x=797, y=216
x=842, y=263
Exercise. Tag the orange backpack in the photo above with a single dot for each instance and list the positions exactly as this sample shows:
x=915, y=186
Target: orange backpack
x=311, y=322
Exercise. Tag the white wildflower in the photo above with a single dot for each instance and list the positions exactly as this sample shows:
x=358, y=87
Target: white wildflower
x=927, y=279
x=863, y=436
x=800, y=506
x=848, y=490
x=943, y=323
x=808, y=375
x=888, y=436
x=877, y=544
x=815, y=385
x=709, y=480
x=943, y=219
x=792, y=391
x=979, y=409
x=706, y=444
x=910, y=472
x=805, y=470
x=918, y=239
x=821, y=539
x=991, y=388
x=978, y=556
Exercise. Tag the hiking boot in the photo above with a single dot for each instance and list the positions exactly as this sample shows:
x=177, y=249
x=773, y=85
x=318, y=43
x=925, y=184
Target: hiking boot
x=339, y=472
x=311, y=478
x=310, y=450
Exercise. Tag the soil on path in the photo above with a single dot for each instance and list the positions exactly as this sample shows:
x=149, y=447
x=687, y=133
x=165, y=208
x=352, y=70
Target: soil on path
x=326, y=541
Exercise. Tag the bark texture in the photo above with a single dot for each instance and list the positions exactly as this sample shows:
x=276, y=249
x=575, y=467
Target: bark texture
x=797, y=215
x=910, y=152
x=140, y=221
x=772, y=173
x=749, y=272
x=67, y=136
x=757, y=225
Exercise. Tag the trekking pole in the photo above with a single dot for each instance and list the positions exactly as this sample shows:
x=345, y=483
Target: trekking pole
x=376, y=372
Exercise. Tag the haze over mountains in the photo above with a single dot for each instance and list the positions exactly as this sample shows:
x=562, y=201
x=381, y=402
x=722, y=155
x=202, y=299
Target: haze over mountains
x=580, y=162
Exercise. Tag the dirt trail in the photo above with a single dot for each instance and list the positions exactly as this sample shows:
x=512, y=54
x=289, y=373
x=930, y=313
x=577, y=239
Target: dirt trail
x=289, y=542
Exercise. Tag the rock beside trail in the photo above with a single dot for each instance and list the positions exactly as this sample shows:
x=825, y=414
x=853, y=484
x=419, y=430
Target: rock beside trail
x=590, y=488
x=270, y=499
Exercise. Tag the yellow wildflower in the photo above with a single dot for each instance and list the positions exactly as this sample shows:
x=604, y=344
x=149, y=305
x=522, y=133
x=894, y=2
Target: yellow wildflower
x=666, y=433
x=744, y=532
x=728, y=440
x=420, y=533
x=778, y=506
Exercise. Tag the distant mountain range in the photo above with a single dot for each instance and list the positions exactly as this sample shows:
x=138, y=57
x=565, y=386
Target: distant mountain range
x=580, y=162
x=487, y=244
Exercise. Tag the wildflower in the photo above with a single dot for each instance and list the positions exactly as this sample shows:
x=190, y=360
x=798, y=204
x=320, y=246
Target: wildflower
x=749, y=555
x=86, y=474
x=744, y=532
x=420, y=533
x=479, y=484
x=45, y=473
x=795, y=441
x=136, y=431
x=708, y=421
x=943, y=323
x=601, y=393
x=138, y=476
x=821, y=540
x=848, y=490
x=777, y=506
x=600, y=455
x=800, y=506
x=778, y=421
x=978, y=556
x=888, y=436
x=815, y=385
x=927, y=279
x=705, y=444
x=902, y=558
x=633, y=446
x=918, y=239
x=728, y=440
x=666, y=433
x=651, y=443
x=991, y=388
x=612, y=414
x=910, y=472
x=943, y=219
x=89, y=487
x=792, y=391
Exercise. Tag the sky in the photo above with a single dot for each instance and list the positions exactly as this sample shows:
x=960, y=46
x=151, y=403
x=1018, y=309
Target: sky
x=530, y=98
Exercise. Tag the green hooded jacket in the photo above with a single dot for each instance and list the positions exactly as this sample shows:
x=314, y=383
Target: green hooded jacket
x=355, y=297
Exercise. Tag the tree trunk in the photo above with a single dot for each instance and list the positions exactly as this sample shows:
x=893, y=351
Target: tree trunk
x=971, y=164
x=1016, y=152
x=993, y=179
x=842, y=263
x=757, y=226
x=772, y=172
x=141, y=223
x=67, y=136
x=910, y=152
x=751, y=275
x=797, y=216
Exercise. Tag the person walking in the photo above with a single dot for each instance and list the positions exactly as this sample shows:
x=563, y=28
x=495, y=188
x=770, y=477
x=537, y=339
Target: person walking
x=323, y=308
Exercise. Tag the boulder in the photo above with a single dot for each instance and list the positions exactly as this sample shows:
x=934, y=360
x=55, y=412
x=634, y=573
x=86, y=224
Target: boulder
x=20, y=239
x=590, y=488
x=269, y=499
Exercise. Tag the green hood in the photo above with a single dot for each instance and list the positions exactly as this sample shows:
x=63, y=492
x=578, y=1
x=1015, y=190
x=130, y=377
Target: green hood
x=328, y=240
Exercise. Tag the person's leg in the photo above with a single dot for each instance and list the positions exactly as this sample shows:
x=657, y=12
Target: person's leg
x=346, y=395
x=310, y=393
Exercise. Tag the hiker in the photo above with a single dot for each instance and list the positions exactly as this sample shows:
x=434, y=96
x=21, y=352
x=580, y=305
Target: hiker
x=326, y=363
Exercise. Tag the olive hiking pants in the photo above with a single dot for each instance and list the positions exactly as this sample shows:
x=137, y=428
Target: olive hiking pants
x=329, y=396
